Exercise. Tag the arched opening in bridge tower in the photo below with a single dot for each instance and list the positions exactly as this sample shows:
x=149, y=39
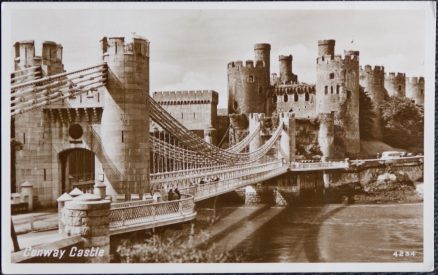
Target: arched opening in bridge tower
x=77, y=169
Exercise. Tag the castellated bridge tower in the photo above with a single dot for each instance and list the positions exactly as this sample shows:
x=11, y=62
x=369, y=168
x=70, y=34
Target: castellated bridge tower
x=125, y=119
x=372, y=80
x=249, y=84
x=415, y=89
x=395, y=84
x=34, y=162
x=337, y=90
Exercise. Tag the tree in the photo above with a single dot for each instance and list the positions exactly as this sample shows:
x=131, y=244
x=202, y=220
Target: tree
x=403, y=123
x=366, y=115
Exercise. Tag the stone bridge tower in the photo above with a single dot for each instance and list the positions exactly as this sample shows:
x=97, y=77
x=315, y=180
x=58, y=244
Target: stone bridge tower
x=34, y=162
x=372, y=80
x=125, y=119
x=337, y=90
x=415, y=89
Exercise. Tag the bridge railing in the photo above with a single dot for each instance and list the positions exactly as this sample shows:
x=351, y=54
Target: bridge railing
x=139, y=213
x=238, y=178
x=393, y=161
x=319, y=165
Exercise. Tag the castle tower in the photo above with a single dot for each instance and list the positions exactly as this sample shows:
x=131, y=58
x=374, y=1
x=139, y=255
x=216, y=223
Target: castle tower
x=254, y=121
x=286, y=75
x=34, y=163
x=415, y=89
x=125, y=119
x=395, y=84
x=372, y=80
x=337, y=90
x=248, y=83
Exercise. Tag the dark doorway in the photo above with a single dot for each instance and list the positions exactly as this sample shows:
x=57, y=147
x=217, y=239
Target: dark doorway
x=77, y=170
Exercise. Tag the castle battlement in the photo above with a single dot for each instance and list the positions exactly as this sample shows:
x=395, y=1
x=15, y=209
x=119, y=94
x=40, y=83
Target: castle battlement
x=393, y=75
x=248, y=64
x=295, y=88
x=415, y=80
x=117, y=45
x=25, y=51
x=186, y=97
x=346, y=59
x=285, y=58
x=372, y=69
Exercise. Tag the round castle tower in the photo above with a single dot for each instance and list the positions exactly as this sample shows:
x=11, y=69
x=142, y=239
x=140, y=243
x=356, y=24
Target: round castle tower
x=395, y=84
x=286, y=74
x=125, y=119
x=372, y=80
x=248, y=83
x=337, y=90
x=415, y=89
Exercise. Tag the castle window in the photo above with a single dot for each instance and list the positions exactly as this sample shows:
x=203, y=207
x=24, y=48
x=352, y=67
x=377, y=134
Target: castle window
x=422, y=91
x=332, y=75
x=260, y=90
x=274, y=99
x=326, y=90
x=251, y=78
x=306, y=96
x=45, y=174
x=235, y=105
x=399, y=88
x=123, y=136
x=337, y=89
x=194, y=115
x=296, y=97
x=182, y=115
x=24, y=138
x=348, y=94
x=285, y=98
x=331, y=89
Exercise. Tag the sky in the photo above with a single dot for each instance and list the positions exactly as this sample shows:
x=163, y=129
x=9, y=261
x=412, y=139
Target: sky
x=190, y=49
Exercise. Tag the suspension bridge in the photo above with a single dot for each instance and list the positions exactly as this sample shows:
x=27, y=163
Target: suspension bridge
x=175, y=156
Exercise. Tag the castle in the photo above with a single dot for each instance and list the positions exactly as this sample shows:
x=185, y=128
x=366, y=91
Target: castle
x=326, y=113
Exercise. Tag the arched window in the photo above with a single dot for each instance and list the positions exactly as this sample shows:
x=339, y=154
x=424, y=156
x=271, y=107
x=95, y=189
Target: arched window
x=295, y=97
x=399, y=88
x=285, y=98
x=260, y=90
x=331, y=89
x=326, y=90
x=337, y=89
x=332, y=75
x=348, y=94
x=422, y=91
x=306, y=96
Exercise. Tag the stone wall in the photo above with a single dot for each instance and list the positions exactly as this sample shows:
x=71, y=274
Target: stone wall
x=297, y=98
x=196, y=110
x=395, y=84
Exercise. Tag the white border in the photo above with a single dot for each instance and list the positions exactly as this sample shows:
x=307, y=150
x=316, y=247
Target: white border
x=427, y=265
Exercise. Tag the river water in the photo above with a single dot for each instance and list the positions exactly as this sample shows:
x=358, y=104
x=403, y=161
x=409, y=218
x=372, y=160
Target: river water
x=339, y=233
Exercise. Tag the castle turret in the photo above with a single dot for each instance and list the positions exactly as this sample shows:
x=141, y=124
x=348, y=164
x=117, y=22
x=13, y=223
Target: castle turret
x=286, y=74
x=326, y=47
x=337, y=90
x=415, y=89
x=395, y=84
x=262, y=53
x=372, y=80
x=50, y=59
x=125, y=119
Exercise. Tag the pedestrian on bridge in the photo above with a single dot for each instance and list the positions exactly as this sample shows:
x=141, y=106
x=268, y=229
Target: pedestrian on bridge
x=170, y=195
x=178, y=194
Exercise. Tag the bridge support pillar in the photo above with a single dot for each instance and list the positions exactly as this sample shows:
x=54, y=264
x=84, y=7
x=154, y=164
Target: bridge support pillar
x=87, y=215
x=326, y=135
x=254, y=121
x=125, y=119
x=287, y=139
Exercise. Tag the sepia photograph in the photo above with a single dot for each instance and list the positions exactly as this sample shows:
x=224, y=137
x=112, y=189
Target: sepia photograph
x=217, y=136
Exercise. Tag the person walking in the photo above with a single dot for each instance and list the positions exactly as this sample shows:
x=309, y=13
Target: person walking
x=178, y=194
x=170, y=195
